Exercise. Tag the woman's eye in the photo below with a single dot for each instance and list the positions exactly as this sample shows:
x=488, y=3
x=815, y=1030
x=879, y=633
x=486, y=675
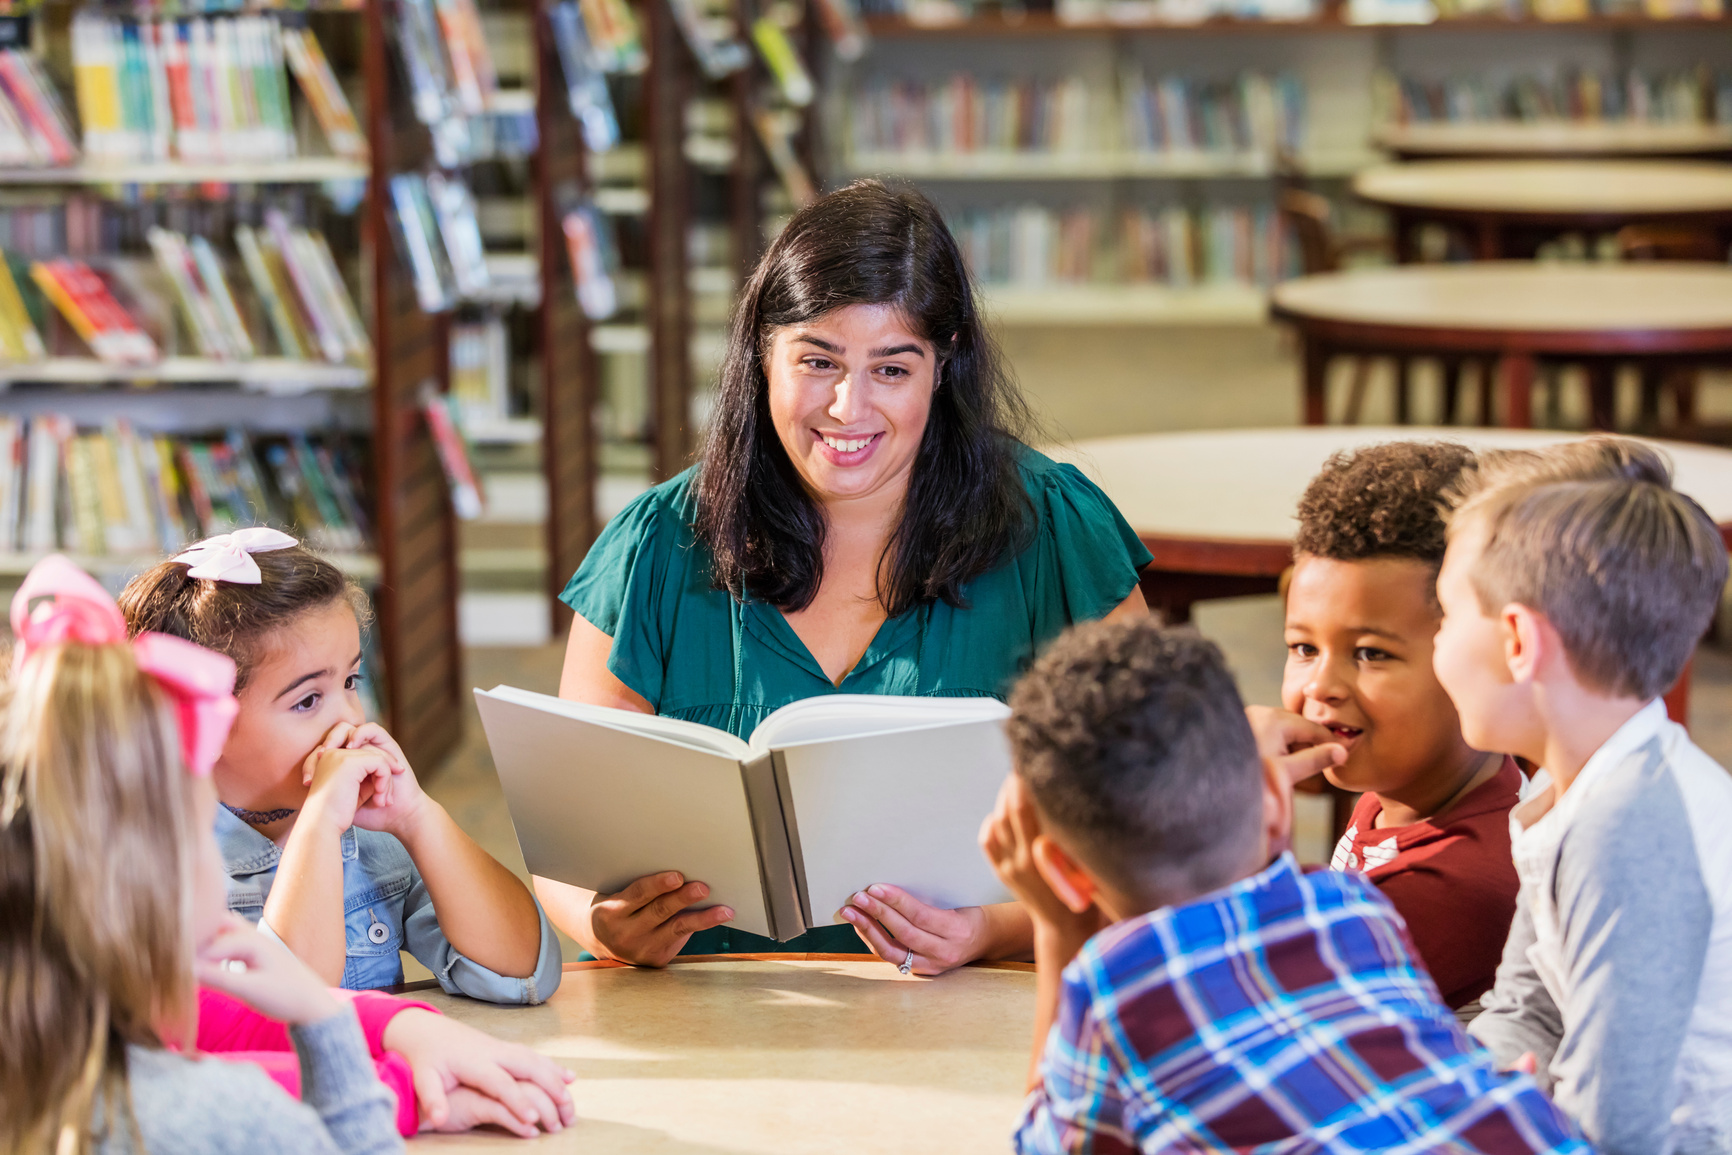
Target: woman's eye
x=893, y=371
x=310, y=702
x=821, y=364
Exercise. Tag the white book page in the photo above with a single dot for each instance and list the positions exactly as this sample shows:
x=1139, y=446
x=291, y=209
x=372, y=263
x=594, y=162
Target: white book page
x=598, y=805
x=693, y=734
x=902, y=807
x=831, y=717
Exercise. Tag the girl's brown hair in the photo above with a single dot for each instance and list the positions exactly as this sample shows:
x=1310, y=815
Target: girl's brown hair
x=97, y=847
x=236, y=619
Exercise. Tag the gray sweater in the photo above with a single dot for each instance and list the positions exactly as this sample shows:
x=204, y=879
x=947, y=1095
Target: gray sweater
x=210, y=1106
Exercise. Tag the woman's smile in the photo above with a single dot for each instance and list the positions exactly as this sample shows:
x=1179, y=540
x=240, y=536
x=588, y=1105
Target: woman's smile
x=848, y=449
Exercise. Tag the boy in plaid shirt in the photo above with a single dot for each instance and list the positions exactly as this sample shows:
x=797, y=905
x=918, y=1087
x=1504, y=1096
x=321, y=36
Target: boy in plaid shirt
x=1231, y=1002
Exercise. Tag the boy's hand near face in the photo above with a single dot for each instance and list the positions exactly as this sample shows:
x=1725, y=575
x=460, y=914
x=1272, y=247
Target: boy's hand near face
x=1300, y=749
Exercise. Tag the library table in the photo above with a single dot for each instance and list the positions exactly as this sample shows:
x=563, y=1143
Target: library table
x=1556, y=140
x=776, y=1054
x=1216, y=507
x=1504, y=205
x=1656, y=314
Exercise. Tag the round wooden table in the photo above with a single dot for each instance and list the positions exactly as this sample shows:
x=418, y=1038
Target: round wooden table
x=1556, y=140
x=1217, y=508
x=1659, y=314
x=780, y=1054
x=1503, y=202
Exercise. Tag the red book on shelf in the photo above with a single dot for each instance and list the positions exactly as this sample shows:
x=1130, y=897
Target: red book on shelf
x=31, y=103
x=83, y=298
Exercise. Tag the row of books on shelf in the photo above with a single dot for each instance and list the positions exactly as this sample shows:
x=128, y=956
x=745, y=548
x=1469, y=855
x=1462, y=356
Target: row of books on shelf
x=440, y=234
x=1682, y=96
x=1251, y=112
x=480, y=363
x=1156, y=13
x=202, y=89
x=291, y=271
x=121, y=491
x=1032, y=246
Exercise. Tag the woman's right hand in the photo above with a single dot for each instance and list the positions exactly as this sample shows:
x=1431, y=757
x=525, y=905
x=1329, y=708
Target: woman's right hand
x=269, y=979
x=647, y=923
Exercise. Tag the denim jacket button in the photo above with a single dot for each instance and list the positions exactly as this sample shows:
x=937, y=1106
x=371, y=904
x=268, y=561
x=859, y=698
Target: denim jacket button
x=379, y=932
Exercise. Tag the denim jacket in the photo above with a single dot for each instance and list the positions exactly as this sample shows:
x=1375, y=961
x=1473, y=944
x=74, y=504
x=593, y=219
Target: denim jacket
x=386, y=909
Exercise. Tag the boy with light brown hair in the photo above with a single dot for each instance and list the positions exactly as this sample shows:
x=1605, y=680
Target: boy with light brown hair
x=1576, y=584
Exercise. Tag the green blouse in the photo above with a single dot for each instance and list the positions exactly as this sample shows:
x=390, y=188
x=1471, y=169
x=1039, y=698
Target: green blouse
x=694, y=652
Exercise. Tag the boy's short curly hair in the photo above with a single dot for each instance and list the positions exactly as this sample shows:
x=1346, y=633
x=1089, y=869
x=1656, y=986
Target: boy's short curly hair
x=1133, y=742
x=1382, y=501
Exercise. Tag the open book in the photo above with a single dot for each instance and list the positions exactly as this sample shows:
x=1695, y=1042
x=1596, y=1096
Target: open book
x=831, y=794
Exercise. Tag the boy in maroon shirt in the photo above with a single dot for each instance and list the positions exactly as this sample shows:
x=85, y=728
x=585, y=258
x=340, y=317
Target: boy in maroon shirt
x=1432, y=826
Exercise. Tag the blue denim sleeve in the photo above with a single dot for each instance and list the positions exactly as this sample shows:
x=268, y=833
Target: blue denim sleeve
x=461, y=975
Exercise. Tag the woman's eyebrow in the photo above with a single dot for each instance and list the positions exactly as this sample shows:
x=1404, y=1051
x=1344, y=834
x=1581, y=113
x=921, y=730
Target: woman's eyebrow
x=303, y=679
x=893, y=350
x=807, y=339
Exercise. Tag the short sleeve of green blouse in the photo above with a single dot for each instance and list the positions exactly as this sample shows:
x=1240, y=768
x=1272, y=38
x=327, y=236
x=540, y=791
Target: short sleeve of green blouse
x=1084, y=558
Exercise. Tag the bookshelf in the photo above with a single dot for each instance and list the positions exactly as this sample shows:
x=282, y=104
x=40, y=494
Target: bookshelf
x=372, y=401
x=1085, y=227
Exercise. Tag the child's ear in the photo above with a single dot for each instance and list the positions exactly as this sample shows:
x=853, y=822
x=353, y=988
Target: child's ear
x=1524, y=641
x=1277, y=810
x=1063, y=874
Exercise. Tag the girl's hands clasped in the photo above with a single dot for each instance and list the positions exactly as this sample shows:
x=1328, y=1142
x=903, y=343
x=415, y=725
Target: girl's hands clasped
x=465, y=1077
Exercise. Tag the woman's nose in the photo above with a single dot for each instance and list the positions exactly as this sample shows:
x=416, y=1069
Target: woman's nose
x=845, y=406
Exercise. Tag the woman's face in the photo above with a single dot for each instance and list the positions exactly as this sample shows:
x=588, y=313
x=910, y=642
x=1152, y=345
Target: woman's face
x=849, y=395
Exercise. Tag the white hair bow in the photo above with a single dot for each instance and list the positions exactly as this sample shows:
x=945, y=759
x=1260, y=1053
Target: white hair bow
x=227, y=557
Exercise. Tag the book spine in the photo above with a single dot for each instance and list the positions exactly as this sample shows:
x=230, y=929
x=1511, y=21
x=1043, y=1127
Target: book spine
x=11, y=460
x=42, y=493
x=289, y=342
x=330, y=342
x=136, y=486
x=86, y=501
x=329, y=103
x=238, y=342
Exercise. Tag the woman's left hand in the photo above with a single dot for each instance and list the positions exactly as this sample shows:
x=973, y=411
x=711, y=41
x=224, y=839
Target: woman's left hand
x=893, y=922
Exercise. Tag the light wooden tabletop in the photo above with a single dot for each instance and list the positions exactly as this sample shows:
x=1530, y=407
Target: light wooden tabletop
x=780, y=1055
x=1243, y=485
x=1585, y=187
x=1519, y=296
x=1555, y=137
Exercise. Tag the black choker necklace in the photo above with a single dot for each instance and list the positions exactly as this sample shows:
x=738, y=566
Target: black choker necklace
x=259, y=817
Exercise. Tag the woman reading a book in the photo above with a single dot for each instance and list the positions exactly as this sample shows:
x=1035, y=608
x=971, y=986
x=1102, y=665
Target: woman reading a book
x=863, y=518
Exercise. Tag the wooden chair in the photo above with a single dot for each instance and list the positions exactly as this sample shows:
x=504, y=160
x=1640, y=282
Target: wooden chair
x=1668, y=243
x=1323, y=250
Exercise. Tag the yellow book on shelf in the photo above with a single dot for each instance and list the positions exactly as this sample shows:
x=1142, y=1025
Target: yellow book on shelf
x=1560, y=10
x=22, y=342
x=117, y=530
x=86, y=502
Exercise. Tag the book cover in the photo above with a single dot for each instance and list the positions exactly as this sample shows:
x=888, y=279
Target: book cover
x=453, y=455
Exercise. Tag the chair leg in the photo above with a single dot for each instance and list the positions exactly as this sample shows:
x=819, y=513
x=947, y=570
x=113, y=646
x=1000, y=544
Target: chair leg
x=1356, y=390
x=1602, y=395
x=1403, y=391
x=1488, y=394
x=1653, y=378
x=1684, y=393
x=1452, y=367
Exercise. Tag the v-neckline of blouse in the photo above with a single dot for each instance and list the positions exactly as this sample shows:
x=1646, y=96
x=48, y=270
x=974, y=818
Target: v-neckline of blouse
x=775, y=630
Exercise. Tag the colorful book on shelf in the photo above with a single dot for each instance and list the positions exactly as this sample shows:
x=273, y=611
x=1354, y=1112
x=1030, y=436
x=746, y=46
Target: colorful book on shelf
x=717, y=55
x=472, y=72
x=453, y=455
x=594, y=257
x=613, y=35
x=783, y=62
x=19, y=340
x=480, y=371
x=425, y=64
x=270, y=285
x=35, y=117
x=460, y=232
x=324, y=94
x=291, y=250
x=776, y=133
x=12, y=433
x=585, y=86
x=84, y=299
x=418, y=232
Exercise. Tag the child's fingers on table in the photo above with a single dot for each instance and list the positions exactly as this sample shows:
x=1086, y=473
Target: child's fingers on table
x=429, y=1083
x=471, y=1109
x=527, y=1065
x=489, y=1078
x=547, y=1113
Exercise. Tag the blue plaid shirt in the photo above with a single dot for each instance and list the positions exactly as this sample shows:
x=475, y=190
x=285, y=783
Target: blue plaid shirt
x=1285, y=1013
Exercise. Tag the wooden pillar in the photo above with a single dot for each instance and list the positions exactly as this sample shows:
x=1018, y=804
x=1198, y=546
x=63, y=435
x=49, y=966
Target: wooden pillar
x=1518, y=376
x=570, y=374
x=1314, y=358
x=670, y=310
x=413, y=524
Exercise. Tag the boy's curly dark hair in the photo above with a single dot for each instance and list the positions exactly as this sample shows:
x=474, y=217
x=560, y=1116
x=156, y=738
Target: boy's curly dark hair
x=1132, y=740
x=1381, y=501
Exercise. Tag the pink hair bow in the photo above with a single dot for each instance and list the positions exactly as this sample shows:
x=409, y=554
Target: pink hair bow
x=60, y=603
x=227, y=557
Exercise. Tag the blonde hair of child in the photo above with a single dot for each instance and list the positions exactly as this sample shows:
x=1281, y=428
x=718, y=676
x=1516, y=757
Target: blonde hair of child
x=97, y=842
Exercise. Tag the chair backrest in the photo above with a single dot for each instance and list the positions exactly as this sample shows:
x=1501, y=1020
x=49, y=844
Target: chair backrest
x=1668, y=243
x=1307, y=214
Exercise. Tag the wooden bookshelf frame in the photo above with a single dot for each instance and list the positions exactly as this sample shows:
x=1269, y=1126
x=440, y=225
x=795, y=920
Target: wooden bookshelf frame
x=570, y=374
x=667, y=84
x=414, y=525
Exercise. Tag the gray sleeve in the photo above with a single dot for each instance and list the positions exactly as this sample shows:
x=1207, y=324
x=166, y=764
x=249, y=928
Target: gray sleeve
x=338, y=1081
x=1517, y=1015
x=215, y=1106
x=1635, y=916
x=459, y=974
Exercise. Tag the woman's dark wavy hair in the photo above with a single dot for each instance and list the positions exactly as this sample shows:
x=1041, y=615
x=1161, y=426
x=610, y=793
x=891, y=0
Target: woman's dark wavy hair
x=966, y=509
